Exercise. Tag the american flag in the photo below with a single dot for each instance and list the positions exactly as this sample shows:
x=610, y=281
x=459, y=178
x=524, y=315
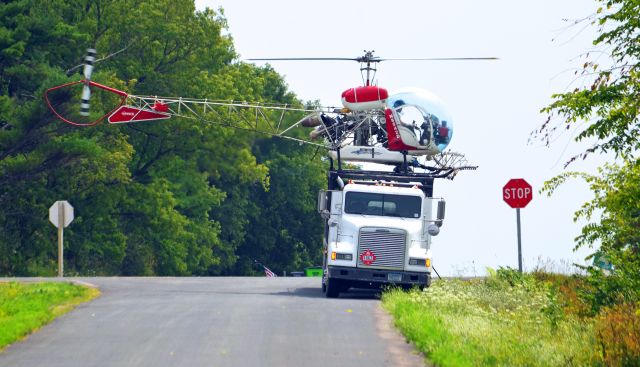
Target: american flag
x=268, y=273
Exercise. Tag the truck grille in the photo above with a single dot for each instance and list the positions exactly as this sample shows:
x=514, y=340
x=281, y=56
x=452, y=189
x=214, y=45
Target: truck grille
x=388, y=246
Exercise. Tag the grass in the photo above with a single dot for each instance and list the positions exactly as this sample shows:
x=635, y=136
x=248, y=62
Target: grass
x=505, y=320
x=26, y=307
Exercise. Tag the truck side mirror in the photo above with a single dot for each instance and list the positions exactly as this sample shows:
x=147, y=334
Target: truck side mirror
x=322, y=200
x=441, y=210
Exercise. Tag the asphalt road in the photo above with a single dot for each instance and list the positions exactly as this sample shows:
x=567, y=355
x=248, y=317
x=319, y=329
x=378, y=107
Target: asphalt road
x=194, y=322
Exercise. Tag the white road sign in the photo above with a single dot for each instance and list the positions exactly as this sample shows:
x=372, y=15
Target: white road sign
x=61, y=211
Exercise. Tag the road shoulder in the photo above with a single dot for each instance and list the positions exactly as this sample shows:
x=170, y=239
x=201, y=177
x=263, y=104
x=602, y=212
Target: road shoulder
x=401, y=352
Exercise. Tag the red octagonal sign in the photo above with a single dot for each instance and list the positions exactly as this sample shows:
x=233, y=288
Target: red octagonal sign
x=517, y=193
x=367, y=257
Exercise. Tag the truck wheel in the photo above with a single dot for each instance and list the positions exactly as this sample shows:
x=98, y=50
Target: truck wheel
x=332, y=288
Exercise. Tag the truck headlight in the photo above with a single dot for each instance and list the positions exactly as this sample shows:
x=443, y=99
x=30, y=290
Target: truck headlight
x=339, y=256
x=420, y=262
x=347, y=257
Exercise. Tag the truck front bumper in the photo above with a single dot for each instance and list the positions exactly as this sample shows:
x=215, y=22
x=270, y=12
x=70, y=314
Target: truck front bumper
x=372, y=278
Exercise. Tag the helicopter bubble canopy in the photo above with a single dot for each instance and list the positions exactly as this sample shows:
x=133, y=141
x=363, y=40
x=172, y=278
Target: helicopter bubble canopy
x=423, y=119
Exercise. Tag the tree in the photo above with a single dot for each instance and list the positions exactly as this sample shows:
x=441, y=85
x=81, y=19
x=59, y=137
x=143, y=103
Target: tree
x=610, y=100
x=617, y=230
x=40, y=160
x=170, y=198
x=287, y=234
x=610, y=104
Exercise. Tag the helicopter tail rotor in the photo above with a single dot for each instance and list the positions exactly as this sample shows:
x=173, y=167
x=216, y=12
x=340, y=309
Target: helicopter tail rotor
x=86, y=90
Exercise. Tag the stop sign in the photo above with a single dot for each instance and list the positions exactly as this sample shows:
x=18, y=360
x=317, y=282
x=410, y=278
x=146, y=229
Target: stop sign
x=517, y=193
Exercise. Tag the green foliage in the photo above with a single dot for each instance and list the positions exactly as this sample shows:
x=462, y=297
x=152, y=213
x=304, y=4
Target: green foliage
x=177, y=197
x=26, y=307
x=291, y=239
x=568, y=291
x=514, y=319
x=610, y=106
x=509, y=319
x=609, y=102
x=616, y=230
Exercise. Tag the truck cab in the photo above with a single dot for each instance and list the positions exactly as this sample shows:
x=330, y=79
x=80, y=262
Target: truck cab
x=377, y=232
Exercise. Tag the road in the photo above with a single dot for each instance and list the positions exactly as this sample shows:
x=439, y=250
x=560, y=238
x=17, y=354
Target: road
x=192, y=322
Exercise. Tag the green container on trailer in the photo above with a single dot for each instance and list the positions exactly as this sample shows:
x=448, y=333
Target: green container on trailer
x=315, y=271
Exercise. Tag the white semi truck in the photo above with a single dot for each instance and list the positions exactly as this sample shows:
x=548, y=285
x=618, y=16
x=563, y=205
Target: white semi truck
x=378, y=229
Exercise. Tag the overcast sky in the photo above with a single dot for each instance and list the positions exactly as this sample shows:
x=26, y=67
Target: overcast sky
x=495, y=105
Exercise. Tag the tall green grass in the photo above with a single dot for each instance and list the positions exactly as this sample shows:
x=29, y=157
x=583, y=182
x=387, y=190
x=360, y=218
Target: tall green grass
x=26, y=307
x=505, y=320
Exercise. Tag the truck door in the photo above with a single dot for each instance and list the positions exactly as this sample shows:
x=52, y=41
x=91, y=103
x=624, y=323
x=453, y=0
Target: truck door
x=330, y=208
x=335, y=216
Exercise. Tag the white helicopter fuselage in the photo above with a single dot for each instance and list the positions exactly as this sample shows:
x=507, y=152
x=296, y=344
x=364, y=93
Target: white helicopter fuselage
x=374, y=154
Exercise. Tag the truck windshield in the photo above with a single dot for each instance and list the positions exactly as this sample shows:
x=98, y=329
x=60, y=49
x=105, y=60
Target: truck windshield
x=405, y=206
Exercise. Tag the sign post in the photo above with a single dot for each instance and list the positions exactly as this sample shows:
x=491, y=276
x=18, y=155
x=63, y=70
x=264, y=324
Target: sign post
x=517, y=193
x=61, y=215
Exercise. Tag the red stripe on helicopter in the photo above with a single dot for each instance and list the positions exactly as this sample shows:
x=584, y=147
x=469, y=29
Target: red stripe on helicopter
x=395, y=142
x=126, y=114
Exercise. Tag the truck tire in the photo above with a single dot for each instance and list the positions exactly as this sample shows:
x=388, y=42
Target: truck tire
x=332, y=288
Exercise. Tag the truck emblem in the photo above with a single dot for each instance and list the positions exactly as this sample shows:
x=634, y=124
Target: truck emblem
x=367, y=257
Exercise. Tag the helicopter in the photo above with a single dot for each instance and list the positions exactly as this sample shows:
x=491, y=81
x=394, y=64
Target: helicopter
x=385, y=128
x=372, y=125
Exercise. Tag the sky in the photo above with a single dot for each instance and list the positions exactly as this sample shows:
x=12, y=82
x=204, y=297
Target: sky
x=495, y=104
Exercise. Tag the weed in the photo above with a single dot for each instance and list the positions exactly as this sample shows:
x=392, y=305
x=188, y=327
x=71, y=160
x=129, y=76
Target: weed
x=26, y=307
x=508, y=319
x=617, y=331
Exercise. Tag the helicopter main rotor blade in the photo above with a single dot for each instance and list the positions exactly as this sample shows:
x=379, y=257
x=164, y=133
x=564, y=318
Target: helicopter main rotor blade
x=439, y=59
x=372, y=59
x=306, y=59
